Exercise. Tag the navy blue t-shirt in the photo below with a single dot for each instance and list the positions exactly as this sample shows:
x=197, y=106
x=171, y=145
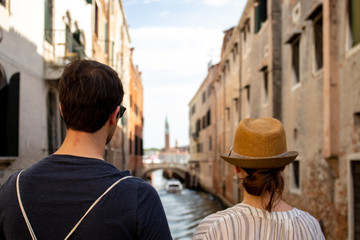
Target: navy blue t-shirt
x=57, y=191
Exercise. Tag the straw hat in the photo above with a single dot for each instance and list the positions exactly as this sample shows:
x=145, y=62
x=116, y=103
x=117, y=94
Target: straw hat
x=260, y=143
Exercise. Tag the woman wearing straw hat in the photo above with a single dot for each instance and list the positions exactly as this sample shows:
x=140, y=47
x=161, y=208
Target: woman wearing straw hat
x=259, y=154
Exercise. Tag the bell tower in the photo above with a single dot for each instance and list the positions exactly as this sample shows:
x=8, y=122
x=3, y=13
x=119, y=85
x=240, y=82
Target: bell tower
x=167, y=137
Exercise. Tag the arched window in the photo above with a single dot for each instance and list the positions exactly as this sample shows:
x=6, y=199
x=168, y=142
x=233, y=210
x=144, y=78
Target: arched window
x=9, y=112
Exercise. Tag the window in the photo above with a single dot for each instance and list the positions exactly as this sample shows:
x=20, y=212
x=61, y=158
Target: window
x=48, y=20
x=96, y=20
x=137, y=149
x=247, y=95
x=234, y=51
x=266, y=84
x=198, y=124
x=208, y=117
x=246, y=35
x=227, y=109
x=9, y=112
x=260, y=14
x=204, y=122
x=141, y=147
x=295, y=175
x=209, y=89
x=247, y=88
x=354, y=21
x=193, y=109
x=199, y=147
x=355, y=172
x=295, y=61
x=204, y=97
x=318, y=41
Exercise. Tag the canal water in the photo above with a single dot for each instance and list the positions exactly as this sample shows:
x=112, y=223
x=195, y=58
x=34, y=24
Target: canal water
x=184, y=210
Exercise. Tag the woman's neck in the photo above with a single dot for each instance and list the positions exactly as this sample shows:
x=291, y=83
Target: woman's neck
x=260, y=202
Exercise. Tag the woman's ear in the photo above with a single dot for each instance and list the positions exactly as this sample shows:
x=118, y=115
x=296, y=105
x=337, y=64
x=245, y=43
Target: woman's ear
x=242, y=174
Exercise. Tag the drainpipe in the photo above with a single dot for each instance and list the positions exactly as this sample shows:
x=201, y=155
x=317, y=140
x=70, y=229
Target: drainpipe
x=331, y=94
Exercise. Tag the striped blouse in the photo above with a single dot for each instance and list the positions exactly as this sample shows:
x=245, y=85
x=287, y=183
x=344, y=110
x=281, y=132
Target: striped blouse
x=243, y=221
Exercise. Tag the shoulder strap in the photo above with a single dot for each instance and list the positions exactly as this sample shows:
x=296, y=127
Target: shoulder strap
x=22, y=207
x=78, y=223
x=93, y=205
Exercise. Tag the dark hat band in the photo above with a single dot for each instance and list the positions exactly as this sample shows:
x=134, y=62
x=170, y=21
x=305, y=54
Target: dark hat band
x=234, y=154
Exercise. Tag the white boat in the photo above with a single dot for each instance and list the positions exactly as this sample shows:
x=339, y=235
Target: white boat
x=173, y=185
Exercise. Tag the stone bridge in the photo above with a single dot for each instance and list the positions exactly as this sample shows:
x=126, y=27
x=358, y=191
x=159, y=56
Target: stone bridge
x=180, y=170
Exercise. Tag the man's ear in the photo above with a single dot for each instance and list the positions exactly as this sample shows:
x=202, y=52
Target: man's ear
x=113, y=116
x=61, y=110
x=237, y=169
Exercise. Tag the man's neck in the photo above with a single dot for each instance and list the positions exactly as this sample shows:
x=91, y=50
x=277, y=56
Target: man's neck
x=83, y=144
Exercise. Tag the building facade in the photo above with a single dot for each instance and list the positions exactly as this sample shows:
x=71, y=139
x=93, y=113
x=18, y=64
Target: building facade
x=35, y=46
x=202, y=132
x=136, y=121
x=296, y=61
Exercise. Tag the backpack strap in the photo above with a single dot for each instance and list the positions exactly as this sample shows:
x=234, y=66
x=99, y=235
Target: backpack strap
x=22, y=207
x=93, y=205
x=78, y=223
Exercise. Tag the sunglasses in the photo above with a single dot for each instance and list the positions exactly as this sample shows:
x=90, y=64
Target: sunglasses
x=121, y=112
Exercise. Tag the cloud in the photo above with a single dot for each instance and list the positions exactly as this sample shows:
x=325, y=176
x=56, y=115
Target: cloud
x=175, y=49
x=173, y=61
x=162, y=101
x=152, y=1
x=216, y=2
x=130, y=2
x=164, y=14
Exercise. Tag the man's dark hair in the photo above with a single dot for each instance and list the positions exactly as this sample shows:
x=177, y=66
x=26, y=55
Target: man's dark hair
x=89, y=92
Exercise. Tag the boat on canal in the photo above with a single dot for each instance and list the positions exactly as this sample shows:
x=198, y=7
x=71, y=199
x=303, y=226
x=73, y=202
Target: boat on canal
x=173, y=186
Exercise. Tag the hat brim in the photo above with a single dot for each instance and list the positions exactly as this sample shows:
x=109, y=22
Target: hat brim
x=259, y=162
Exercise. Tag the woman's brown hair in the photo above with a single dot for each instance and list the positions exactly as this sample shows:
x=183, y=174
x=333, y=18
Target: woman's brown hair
x=260, y=182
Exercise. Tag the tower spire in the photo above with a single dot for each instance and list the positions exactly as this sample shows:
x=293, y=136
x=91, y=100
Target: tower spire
x=167, y=137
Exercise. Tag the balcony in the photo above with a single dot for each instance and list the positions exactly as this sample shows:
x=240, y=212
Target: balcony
x=195, y=136
x=60, y=48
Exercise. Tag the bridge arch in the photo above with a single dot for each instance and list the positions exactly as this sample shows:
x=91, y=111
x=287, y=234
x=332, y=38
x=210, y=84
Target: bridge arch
x=179, y=170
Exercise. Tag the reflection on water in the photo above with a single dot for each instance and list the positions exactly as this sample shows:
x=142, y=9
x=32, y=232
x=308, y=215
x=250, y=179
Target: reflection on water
x=184, y=210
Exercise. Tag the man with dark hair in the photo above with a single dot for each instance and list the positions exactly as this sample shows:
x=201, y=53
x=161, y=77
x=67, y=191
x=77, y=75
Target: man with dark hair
x=74, y=192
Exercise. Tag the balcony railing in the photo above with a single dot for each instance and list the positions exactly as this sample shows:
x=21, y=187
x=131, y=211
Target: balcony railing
x=63, y=46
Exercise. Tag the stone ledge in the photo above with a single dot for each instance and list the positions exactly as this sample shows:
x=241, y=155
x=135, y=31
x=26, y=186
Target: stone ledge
x=6, y=161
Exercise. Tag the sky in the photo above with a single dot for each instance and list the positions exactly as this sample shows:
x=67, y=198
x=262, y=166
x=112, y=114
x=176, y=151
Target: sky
x=174, y=42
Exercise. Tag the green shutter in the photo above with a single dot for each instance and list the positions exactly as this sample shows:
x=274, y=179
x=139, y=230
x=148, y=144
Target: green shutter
x=355, y=21
x=106, y=38
x=260, y=14
x=48, y=21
